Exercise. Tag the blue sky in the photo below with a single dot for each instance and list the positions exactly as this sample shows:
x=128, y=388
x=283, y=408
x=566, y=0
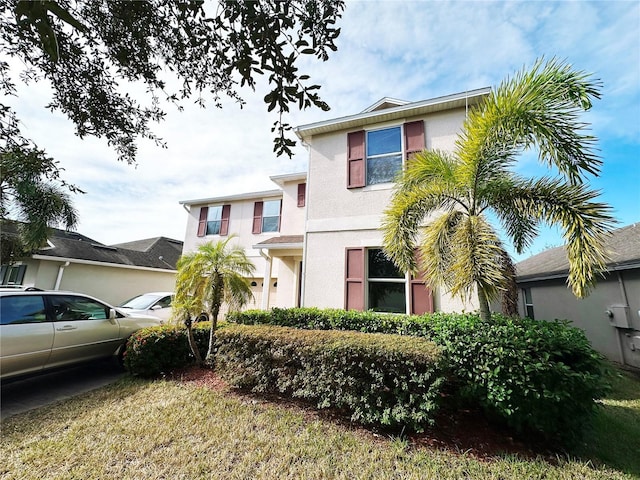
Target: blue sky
x=408, y=50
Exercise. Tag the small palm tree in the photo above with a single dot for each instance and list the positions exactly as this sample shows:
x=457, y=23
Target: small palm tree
x=452, y=193
x=215, y=273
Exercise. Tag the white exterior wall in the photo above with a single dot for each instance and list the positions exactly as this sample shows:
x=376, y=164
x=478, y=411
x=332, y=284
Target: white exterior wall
x=338, y=217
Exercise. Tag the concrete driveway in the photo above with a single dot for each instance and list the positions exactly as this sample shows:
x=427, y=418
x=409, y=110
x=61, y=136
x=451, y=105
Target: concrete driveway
x=32, y=392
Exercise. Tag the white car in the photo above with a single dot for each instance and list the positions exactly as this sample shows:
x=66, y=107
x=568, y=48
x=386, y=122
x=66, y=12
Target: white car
x=157, y=304
x=41, y=330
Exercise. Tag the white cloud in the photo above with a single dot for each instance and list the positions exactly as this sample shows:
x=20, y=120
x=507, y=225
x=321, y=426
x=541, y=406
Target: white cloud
x=411, y=50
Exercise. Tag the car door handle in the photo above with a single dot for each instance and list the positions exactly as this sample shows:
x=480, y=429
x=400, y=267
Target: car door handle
x=66, y=327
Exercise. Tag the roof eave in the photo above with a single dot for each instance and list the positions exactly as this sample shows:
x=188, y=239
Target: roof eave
x=231, y=198
x=448, y=102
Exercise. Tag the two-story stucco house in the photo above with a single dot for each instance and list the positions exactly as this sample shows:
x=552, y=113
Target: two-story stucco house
x=317, y=239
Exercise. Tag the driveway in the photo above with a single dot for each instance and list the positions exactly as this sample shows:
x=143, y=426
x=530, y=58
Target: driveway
x=22, y=395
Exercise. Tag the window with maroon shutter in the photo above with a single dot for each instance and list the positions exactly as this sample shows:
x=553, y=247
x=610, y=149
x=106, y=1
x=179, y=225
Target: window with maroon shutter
x=302, y=192
x=202, y=221
x=224, y=221
x=354, y=279
x=355, y=160
x=257, y=217
x=413, y=138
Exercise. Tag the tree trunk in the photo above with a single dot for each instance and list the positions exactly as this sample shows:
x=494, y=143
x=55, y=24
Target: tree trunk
x=216, y=301
x=485, y=313
x=192, y=343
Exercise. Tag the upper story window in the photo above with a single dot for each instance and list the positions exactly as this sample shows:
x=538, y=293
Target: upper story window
x=376, y=156
x=384, y=155
x=266, y=216
x=271, y=216
x=214, y=220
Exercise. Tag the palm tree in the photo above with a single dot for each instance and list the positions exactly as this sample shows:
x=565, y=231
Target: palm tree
x=214, y=274
x=32, y=192
x=441, y=201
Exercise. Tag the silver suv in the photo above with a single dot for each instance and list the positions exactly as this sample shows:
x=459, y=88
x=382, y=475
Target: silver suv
x=40, y=330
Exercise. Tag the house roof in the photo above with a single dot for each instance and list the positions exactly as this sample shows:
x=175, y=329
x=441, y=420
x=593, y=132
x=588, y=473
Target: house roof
x=624, y=253
x=387, y=109
x=282, y=242
x=158, y=253
x=288, y=177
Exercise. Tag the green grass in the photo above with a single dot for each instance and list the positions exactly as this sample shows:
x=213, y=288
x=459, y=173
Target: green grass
x=160, y=429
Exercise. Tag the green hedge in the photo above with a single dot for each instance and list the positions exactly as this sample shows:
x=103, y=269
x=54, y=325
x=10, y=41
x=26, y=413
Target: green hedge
x=336, y=319
x=380, y=379
x=155, y=350
x=535, y=376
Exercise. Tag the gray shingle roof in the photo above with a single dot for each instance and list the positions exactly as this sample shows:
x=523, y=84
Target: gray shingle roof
x=158, y=252
x=623, y=246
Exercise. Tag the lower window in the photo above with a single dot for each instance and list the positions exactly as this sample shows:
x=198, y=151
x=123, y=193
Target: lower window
x=386, y=285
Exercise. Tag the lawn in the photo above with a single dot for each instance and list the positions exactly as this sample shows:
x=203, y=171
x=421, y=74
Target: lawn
x=170, y=429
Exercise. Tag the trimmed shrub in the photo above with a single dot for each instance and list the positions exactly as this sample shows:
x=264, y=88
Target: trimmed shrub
x=336, y=319
x=155, y=350
x=380, y=379
x=535, y=376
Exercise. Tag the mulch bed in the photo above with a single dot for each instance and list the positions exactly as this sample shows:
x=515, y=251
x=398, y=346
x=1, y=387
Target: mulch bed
x=459, y=431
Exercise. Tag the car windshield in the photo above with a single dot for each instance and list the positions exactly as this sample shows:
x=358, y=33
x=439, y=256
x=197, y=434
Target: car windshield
x=141, y=302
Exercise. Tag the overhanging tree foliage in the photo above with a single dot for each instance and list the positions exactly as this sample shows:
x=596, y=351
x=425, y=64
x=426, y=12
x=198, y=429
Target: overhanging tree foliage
x=90, y=50
x=442, y=199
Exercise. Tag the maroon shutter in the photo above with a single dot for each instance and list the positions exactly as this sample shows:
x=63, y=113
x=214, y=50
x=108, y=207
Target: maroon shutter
x=202, y=222
x=354, y=279
x=414, y=137
x=302, y=191
x=355, y=159
x=257, y=217
x=224, y=222
x=420, y=296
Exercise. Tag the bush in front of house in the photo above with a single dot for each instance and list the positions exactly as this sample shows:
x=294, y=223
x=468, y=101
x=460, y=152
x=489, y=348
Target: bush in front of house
x=336, y=319
x=155, y=350
x=380, y=379
x=535, y=376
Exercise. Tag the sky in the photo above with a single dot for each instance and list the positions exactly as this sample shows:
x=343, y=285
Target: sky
x=409, y=50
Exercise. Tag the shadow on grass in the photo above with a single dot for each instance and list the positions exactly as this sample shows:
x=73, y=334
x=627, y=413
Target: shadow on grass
x=614, y=437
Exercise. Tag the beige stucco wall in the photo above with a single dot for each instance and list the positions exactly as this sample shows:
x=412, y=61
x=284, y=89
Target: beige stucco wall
x=293, y=217
x=109, y=283
x=240, y=224
x=324, y=269
x=338, y=217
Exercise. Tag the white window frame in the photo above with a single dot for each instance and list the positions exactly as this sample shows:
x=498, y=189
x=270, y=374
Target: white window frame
x=215, y=208
x=401, y=152
x=277, y=217
x=367, y=280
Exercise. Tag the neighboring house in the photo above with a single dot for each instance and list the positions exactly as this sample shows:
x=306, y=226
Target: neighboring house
x=113, y=273
x=610, y=315
x=317, y=239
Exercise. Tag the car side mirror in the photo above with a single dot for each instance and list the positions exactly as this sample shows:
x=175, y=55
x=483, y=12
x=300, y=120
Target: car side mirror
x=156, y=307
x=112, y=315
